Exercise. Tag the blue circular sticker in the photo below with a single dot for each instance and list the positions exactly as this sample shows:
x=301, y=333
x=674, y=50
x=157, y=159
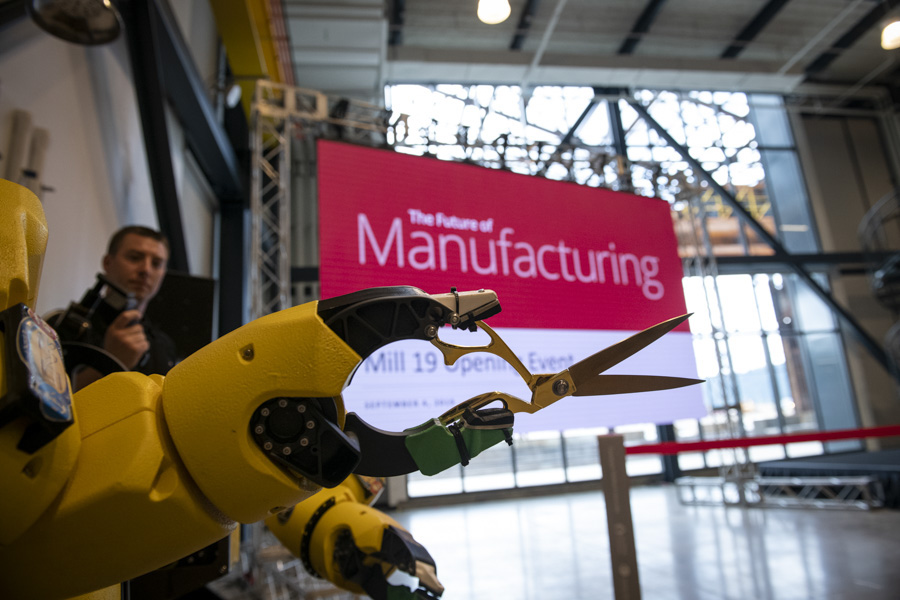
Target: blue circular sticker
x=39, y=349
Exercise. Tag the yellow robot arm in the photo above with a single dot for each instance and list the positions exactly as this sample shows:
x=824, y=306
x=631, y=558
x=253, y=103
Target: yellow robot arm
x=339, y=537
x=168, y=465
x=136, y=472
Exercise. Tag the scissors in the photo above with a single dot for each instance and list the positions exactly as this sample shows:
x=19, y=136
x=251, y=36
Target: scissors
x=478, y=423
x=584, y=378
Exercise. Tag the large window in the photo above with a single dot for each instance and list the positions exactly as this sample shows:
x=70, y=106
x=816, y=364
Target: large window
x=768, y=348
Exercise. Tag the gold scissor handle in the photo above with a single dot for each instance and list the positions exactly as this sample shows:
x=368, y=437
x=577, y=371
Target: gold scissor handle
x=542, y=394
x=514, y=404
x=496, y=346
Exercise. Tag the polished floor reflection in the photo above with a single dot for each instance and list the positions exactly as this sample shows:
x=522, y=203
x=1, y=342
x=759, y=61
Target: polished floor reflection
x=557, y=547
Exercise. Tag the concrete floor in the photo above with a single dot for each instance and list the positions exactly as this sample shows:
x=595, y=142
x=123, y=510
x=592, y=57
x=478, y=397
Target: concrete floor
x=557, y=547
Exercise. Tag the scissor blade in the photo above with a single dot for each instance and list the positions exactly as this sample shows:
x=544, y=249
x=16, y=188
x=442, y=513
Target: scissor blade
x=594, y=364
x=603, y=385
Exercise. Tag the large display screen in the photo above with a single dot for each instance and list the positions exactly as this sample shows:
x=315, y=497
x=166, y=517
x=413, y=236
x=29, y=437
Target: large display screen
x=575, y=268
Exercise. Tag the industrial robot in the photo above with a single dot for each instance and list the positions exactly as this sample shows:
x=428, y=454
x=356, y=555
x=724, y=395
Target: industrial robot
x=134, y=472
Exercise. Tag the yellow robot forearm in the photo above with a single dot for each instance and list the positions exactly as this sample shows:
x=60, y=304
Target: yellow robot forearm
x=353, y=545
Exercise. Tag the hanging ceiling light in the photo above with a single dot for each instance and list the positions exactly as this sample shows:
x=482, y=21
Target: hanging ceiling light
x=890, y=36
x=493, y=11
x=87, y=22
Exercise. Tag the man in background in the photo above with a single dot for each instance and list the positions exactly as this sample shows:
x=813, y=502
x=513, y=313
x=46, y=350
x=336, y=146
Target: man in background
x=135, y=261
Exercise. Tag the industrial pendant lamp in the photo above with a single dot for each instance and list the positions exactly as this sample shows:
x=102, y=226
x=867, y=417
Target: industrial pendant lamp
x=493, y=11
x=890, y=36
x=89, y=22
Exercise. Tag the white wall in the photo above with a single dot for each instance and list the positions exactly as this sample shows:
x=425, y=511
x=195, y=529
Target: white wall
x=95, y=164
x=94, y=187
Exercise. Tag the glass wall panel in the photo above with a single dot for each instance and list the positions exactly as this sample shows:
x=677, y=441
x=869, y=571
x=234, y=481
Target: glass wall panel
x=758, y=409
x=637, y=465
x=445, y=482
x=764, y=453
x=691, y=461
x=582, y=454
x=688, y=430
x=821, y=353
x=810, y=312
x=539, y=459
x=491, y=470
x=832, y=385
x=804, y=449
x=770, y=121
x=765, y=305
x=738, y=300
x=639, y=434
x=787, y=194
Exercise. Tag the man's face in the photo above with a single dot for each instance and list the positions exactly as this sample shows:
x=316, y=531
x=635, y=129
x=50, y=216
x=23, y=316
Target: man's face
x=138, y=266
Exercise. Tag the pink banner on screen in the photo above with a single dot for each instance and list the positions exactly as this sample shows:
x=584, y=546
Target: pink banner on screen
x=575, y=269
x=558, y=255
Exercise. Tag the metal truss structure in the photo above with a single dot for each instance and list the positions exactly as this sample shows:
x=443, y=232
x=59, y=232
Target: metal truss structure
x=542, y=148
x=280, y=114
x=859, y=493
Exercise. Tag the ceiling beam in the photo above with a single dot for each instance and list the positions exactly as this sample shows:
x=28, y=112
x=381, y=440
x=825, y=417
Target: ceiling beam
x=870, y=20
x=848, y=263
x=243, y=27
x=410, y=64
x=278, y=41
x=542, y=47
x=528, y=12
x=641, y=26
x=753, y=28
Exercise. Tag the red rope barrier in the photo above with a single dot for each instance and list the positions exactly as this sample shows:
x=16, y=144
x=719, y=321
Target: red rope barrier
x=816, y=436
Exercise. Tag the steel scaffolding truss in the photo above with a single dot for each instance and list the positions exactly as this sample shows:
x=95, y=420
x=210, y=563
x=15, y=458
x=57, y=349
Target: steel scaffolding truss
x=860, y=493
x=279, y=114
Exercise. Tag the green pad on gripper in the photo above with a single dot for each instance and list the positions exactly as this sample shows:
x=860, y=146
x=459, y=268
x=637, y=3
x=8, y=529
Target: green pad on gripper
x=434, y=448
